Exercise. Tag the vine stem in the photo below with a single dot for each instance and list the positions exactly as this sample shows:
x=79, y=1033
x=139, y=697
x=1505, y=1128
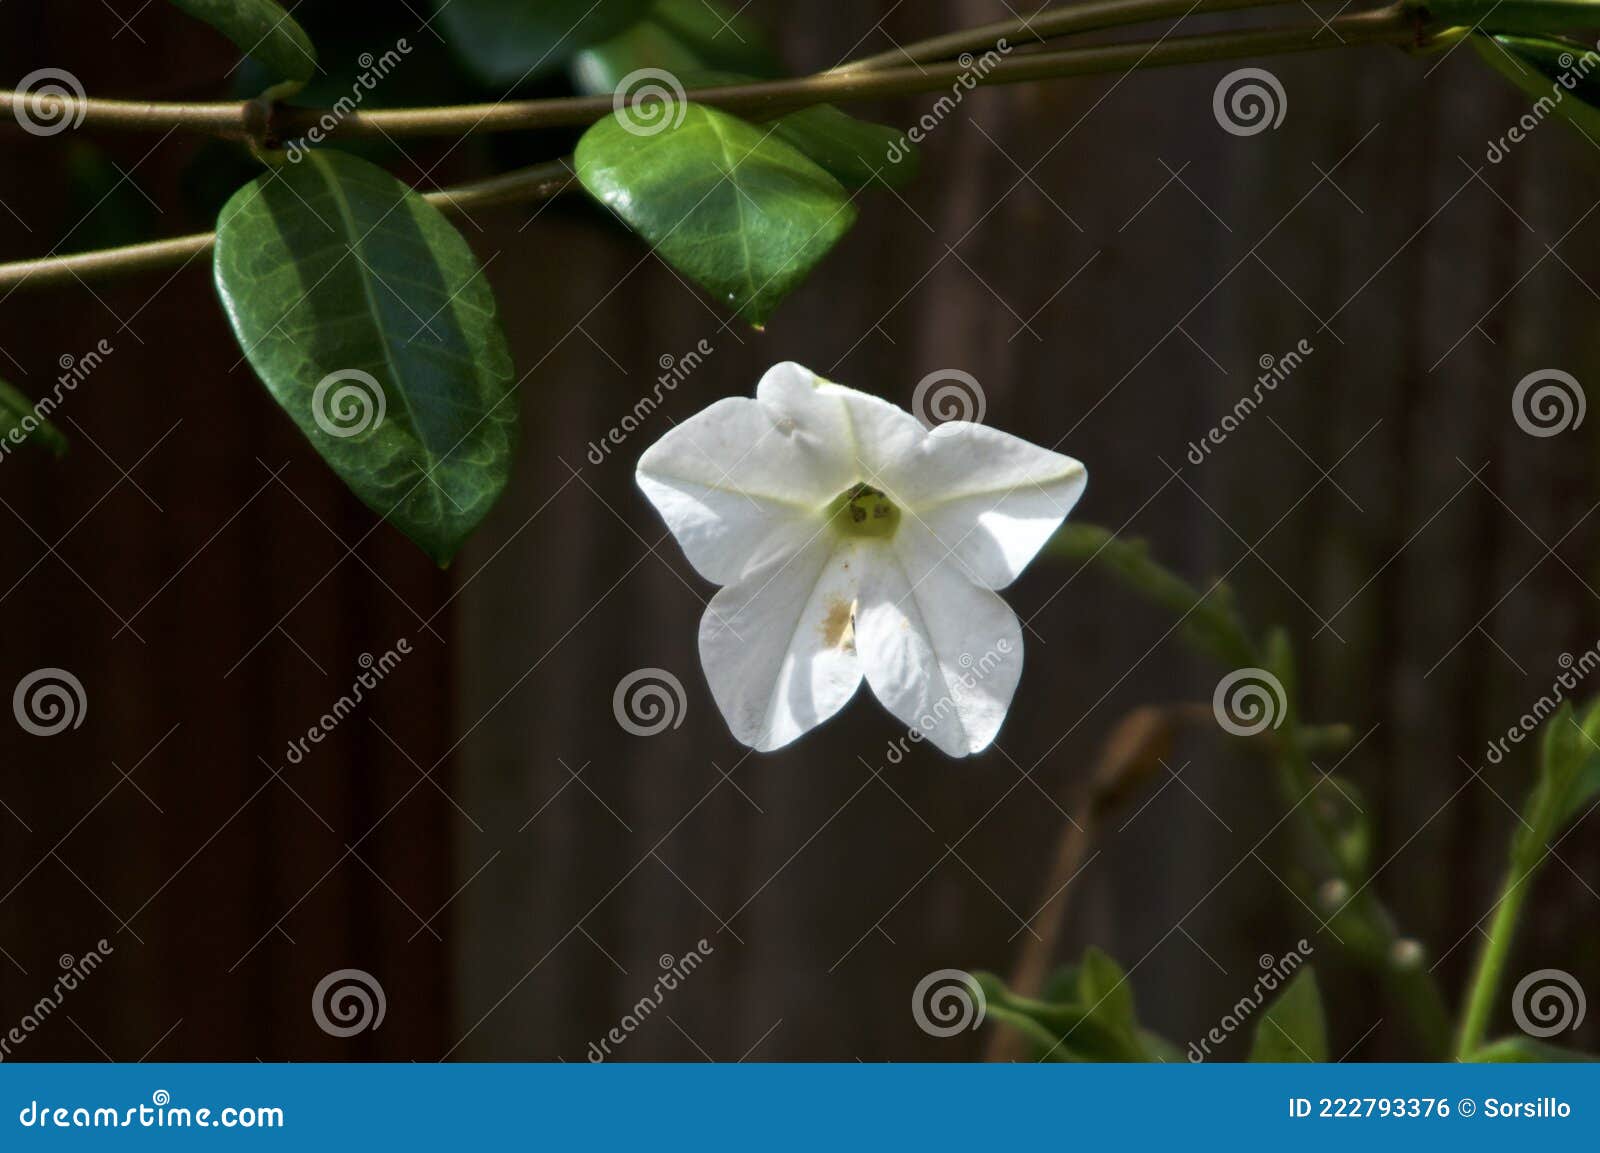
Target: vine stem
x=1485, y=985
x=539, y=182
x=1085, y=16
x=1392, y=25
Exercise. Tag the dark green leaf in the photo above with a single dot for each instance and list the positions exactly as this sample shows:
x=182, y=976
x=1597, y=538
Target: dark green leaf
x=1562, y=77
x=1105, y=991
x=1073, y=1030
x=1518, y=1050
x=738, y=211
x=1292, y=1028
x=110, y=211
x=1569, y=781
x=1514, y=15
x=857, y=152
x=605, y=66
x=263, y=31
x=509, y=41
x=22, y=423
x=331, y=268
x=719, y=35
x=1061, y=985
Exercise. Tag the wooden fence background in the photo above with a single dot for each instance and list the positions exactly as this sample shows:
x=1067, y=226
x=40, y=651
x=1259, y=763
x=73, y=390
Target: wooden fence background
x=512, y=866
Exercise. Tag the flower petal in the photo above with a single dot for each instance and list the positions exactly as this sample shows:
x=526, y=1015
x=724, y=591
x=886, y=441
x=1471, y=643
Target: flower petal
x=741, y=482
x=943, y=654
x=991, y=498
x=879, y=435
x=778, y=647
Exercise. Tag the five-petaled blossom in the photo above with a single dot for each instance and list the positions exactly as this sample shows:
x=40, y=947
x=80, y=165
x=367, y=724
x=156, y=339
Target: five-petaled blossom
x=853, y=542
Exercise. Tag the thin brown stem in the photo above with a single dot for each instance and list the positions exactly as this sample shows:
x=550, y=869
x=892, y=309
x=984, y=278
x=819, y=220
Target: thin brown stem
x=540, y=182
x=1393, y=25
x=1087, y=16
x=769, y=97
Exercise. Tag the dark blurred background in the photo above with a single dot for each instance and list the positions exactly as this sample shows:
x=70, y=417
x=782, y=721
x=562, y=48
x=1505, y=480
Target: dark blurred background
x=509, y=863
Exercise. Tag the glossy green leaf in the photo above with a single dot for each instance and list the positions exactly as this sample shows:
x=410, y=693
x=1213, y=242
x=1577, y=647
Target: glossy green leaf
x=1521, y=1050
x=1293, y=1029
x=263, y=31
x=1562, y=77
x=509, y=41
x=366, y=315
x=735, y=209
x=856, y=152
x=22, y=423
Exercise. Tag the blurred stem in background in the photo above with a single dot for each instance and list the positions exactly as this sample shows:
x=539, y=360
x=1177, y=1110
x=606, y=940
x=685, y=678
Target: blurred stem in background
x=1335, y=833
x=1568, y=781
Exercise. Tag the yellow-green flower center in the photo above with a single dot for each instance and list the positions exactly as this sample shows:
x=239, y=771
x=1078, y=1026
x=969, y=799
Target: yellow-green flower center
x=864, y=511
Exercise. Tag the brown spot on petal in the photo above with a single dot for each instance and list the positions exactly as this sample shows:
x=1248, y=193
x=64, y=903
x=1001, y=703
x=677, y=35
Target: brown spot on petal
x=837, y=624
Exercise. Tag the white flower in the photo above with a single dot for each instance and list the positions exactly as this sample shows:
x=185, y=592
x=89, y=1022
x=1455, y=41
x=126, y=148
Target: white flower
x=852, y=542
